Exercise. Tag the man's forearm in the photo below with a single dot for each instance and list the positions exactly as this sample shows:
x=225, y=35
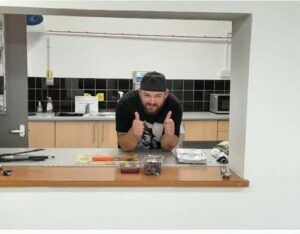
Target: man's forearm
x=127, y=141
x=169, y=142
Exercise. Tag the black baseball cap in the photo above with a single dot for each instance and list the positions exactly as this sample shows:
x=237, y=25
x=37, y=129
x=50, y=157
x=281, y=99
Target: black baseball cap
x=154, y=81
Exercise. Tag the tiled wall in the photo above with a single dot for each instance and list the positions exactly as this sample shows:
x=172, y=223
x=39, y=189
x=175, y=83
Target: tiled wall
x=193, y=94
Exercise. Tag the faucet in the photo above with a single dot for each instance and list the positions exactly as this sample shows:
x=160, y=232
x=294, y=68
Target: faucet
x=120, y=94
x=87, y=108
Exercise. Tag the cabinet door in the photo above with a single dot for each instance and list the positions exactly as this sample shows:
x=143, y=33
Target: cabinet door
x=200, y=130
x=107, y=134
x=77, y=134
x=223, y=130
x=41, y=134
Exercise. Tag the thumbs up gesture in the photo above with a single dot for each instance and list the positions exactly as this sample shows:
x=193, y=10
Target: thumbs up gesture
x=137, y=126
x=169, y=126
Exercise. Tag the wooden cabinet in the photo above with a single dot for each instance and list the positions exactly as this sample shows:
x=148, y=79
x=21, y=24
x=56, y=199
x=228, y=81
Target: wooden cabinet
x=107, y=134
x=223, y=130
x=41, y=134
x=77, y=134
x=200, y=130
x=73, y=134
x=206, y=130
x=93, y=134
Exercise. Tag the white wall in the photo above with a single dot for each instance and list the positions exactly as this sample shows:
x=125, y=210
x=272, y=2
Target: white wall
x=271, y=154
x=106, y=57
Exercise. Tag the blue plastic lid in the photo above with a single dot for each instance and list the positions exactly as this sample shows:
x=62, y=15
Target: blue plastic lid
x=34, y=19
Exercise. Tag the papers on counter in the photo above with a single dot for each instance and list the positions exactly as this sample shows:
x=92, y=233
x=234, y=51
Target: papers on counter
x=190, y=156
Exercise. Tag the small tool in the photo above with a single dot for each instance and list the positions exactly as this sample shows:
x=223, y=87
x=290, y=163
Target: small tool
x=15, y=158
x=21, y=152
x=225, y=172
x=7, y=172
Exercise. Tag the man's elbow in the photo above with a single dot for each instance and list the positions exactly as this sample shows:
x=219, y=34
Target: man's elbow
x=167, y=148
x=126, y=147
x=169, y=144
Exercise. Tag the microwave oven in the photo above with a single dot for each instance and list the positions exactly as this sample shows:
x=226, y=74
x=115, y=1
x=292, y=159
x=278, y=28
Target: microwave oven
x=219, y=103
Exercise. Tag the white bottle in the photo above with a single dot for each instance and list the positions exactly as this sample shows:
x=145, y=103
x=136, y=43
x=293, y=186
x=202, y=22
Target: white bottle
x=49, y=105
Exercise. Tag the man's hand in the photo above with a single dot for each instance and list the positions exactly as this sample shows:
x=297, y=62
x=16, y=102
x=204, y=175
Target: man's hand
x=137, y=126
x=169, y=126
x=128, y=141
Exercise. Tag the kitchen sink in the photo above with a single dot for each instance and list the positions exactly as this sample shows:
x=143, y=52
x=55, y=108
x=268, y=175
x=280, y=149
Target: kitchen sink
x=68, y=114
x=105, y=114
x=73, y=114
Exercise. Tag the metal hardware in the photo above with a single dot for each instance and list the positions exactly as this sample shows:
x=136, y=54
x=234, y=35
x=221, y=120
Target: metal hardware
x=21, y=152
x=225, y=172
x=20, y=131
x=221, y=39
x=7, y=172
x=16, y=158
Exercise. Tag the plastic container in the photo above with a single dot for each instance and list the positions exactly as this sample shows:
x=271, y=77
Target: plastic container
x=39, y=109
x=152, y=165
x=130, y=167
x=49, y=105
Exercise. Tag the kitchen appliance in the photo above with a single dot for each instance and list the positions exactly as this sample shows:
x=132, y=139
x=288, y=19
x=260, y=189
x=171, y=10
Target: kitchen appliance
x=219, y=103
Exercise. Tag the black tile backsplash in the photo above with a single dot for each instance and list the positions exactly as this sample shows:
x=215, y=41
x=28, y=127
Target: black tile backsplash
x=178, y=84
x=188, y=85
x=209, y=85
x=124, y=84
x=198, y=106
x=170, y=84
x=188, y=95
x=227, y=85
x=178, y=93
x=193, y=94
x=198, y=95
x=199, y=84
x=220, y=85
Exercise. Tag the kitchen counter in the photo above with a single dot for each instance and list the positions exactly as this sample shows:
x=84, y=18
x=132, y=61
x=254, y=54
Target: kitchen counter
x=64, y=171
x=186, y=116
x=67, y=157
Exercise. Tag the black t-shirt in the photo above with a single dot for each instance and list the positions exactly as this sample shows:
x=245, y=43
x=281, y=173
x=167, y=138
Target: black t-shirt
x=153, y=131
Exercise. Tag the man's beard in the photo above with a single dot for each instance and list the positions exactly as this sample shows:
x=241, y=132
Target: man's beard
x=152, y=112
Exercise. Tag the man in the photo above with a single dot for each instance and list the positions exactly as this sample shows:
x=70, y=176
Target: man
x=150, y=117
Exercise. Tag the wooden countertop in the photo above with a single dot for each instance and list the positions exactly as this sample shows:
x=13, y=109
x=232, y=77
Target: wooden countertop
x=40, y=176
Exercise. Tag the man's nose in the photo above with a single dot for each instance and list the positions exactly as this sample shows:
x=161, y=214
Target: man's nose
x=152, y=100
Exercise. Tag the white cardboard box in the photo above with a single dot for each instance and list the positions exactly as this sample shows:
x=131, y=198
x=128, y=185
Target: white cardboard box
x=81, y=103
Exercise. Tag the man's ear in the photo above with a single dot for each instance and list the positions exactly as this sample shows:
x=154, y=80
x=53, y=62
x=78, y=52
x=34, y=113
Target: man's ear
x=166, y=93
